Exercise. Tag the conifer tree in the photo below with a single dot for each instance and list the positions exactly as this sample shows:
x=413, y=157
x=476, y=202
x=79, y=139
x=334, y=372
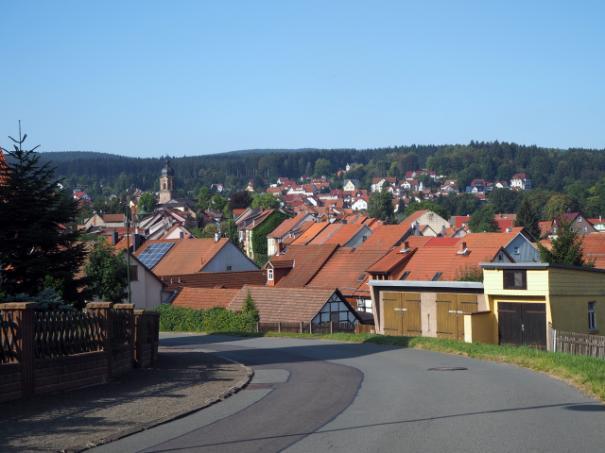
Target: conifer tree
x=37, y=234
x=529, y=218
x=566, y=247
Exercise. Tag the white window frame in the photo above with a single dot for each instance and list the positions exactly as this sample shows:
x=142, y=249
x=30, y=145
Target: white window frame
x=270, y=274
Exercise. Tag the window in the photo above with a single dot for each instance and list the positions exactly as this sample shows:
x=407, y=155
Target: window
x=592, y=318
x=405, y=275
x=269, y=274
x=516, y=251
x=437, y=276
x=134, y=273
x=229, y=268
x=515, y=279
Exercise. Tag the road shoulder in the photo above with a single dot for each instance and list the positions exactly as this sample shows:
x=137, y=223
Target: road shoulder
x=185, y=381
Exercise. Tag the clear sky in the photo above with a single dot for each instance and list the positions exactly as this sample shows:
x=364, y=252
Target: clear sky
x=193, y=77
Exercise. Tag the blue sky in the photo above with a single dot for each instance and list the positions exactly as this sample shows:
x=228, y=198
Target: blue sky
x=193, y=77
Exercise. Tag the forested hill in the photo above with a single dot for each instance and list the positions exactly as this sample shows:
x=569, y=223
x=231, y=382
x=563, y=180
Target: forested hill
x=551, y=169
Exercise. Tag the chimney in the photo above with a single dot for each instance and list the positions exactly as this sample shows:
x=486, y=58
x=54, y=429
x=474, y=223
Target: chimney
x=509, y=229
x=137, y=241
x=216, y=237
x=406, y=247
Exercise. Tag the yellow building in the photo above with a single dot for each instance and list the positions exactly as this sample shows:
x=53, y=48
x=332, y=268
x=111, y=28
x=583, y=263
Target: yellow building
x=526, y=300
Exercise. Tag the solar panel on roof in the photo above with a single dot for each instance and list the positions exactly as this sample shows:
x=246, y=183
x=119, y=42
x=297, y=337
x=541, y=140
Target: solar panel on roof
x=154, y=253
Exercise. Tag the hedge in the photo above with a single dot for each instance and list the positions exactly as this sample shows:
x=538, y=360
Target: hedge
x=179, y=319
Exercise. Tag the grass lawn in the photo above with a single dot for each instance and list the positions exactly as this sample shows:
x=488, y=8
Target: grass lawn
x=586, y=373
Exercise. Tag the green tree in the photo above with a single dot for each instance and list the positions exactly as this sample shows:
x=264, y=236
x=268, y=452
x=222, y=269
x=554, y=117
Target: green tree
x=380, y=206
x=146, y=202
x=38, y=238
x=559, y=204
x=322, y=167
x=203, y=199
x=504, y=200
x=566, y=247
x=230, y=230
x=528, y=217
x=482, y=220
x=106, y=273
x=249, y=309
x=239, y=200
x=218, y=203
x=264, y=201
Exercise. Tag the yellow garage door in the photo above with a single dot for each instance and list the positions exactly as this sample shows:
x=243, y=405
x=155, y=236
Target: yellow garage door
x=401, y=313
x=451, y=308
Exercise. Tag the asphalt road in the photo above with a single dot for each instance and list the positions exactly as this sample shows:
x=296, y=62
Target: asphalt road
x=315, y=396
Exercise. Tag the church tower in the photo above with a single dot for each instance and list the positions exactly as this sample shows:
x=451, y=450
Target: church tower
x=166, y=183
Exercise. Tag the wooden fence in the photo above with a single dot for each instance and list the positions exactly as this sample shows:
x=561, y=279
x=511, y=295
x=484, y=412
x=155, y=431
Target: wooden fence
x=305, y=327
x=579, y=343
x=43, y=352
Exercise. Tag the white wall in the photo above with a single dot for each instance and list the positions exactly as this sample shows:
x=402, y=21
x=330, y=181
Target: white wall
x=146, y=291
x=230, y=255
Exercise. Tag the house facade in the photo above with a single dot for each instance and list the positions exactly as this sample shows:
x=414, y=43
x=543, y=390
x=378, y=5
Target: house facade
x=147, y=291
x=525, y=301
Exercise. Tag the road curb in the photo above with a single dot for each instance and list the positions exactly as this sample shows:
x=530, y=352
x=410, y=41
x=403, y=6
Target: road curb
x=239, y=385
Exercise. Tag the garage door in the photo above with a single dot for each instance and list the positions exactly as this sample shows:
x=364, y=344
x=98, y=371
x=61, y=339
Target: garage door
x=401, y=313
x=522, y=324
x=451, y=308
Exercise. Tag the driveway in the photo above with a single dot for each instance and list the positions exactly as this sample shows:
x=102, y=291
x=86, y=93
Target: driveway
x=310, y=395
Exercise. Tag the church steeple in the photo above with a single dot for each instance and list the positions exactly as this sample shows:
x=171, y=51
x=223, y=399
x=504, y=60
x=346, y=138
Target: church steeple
x=166, y=183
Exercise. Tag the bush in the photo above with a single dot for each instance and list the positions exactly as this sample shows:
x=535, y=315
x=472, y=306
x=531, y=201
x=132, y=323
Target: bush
x=178, y=319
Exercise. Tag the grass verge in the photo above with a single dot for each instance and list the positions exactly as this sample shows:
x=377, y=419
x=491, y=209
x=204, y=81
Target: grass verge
x=585, y=373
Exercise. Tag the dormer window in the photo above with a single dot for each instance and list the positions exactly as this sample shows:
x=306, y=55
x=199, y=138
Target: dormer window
x=270, y=274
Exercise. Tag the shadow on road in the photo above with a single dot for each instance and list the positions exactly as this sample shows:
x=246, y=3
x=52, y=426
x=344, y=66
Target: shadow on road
x=570, y=406
x=228, y=345
x=71, y=419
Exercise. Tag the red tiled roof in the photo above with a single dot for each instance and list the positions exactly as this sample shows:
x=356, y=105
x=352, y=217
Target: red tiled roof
x=545, y=227
x=187, y=256
x=385, y=236
x=286, y=226
x=308, y=259
x=237, y=212
x=593, y=246
x=114, y=218
x=459, y=220
x=204, y=298
x=215, y=280
x=441, y=255
x=413, y=217
x=283, y=304
x=345, y=269
x=310, y=234
x=392, y=259
x=337, y=233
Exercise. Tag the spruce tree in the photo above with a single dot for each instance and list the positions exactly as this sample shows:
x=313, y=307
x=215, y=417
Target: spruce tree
x=529, y=218
x=37, y=235
x=566, y=247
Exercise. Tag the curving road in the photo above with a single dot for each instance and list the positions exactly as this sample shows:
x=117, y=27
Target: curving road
x=315, y=396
